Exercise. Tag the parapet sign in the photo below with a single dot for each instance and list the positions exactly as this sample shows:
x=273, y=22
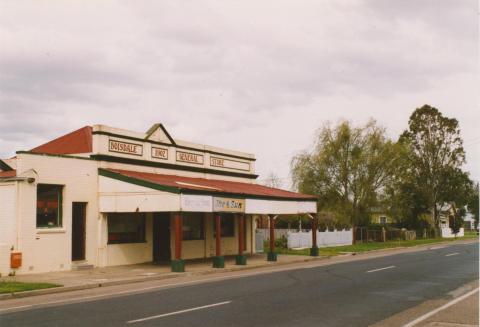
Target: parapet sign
x=228, y=205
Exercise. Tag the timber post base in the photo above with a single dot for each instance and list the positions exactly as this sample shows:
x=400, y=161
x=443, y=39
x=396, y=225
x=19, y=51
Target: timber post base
x=218, y=262
x=272, y=256
x=178, y=265
x=314, y=252
x=241, y=259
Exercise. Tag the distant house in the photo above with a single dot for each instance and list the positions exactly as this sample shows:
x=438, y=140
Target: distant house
x=469, y=221
x=445, y=212
x=380, y=216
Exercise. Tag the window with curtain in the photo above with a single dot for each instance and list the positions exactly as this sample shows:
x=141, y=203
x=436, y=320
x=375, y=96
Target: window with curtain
x=49, y=206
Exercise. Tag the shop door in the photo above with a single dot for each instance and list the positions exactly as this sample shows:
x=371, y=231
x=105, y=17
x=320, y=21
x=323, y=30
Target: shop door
x=161, y=237
x=79, y=210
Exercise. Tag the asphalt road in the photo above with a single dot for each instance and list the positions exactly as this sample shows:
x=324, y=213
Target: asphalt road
x=358, y=293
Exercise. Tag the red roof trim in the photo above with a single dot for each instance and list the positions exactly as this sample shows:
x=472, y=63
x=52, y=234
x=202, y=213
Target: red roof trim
x=212, y=186
x=8, y=173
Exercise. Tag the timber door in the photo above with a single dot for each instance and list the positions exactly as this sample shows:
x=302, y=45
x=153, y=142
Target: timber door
x=79, y=212
x=161, y=237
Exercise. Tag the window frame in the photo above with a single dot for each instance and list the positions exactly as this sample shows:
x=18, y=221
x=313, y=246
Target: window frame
x=59, y=219
x=194, y=215
x=125, y=215
x=223, y=217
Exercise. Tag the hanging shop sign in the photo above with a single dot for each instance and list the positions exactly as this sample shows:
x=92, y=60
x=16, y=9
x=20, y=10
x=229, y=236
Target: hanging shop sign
x=228, y=205
x=160, y=153
x=189, y=157
x=227, y=163
x=196, y=203
x=125, y=147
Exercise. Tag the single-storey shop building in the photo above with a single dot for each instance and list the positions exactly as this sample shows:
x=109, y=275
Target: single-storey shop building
x=102, y=196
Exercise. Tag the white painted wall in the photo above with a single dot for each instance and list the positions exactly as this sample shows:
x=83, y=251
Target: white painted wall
x=446, y=232
x=8, y=228
x=47, y=250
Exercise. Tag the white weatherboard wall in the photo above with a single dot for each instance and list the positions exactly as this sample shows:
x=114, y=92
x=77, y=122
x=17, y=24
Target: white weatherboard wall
x=304, y=239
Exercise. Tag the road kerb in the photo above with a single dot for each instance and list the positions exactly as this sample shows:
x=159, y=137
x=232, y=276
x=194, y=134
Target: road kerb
x=63, y=289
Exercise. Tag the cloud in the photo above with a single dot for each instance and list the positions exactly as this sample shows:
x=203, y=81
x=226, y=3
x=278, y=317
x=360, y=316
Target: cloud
x=258, y=77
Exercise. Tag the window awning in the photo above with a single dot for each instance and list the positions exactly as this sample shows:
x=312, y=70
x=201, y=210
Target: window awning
x=179, y=193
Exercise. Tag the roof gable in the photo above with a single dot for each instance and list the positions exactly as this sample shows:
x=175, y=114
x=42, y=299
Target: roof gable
x=79, y=141
x=158, y=133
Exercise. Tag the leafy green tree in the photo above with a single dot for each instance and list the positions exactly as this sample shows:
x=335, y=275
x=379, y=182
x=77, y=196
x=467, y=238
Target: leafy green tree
x=456, y=221
x=347, y=168
x=473, y=203
x=436, y=149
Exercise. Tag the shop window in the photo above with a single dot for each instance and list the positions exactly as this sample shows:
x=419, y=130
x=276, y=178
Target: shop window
x=49, y=206
x=126, y=228
x=227, y=221
x=192, y=226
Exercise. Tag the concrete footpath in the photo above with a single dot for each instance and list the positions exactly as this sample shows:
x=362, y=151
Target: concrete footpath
x=120, y=275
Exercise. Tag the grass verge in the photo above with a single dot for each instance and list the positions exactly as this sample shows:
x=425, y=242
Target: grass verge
x=364, y=247
x=13, y=287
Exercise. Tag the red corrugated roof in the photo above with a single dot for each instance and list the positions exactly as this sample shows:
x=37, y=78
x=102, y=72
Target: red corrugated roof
x=8, y=173
x=79, y=141
x=212, y=185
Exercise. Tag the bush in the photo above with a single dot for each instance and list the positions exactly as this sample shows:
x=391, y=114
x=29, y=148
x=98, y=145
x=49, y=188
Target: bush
x=281, y=243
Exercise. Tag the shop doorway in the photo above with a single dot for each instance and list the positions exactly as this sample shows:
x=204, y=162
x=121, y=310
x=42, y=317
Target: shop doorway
x=161, y=237
x=79, y=213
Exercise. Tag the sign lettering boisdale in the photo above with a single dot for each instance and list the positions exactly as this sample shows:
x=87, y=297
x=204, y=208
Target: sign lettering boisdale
x=228, y=205
x=160, y=153
x=125, y=147
x=190, y=157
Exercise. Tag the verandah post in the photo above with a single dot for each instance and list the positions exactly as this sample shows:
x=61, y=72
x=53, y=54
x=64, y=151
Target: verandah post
x=272, y=255
x=218, y=259
x=178, y=264
x=241, y=259
x=314, y=249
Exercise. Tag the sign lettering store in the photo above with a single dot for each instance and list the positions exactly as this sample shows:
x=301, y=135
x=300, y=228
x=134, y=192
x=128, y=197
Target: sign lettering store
x=227, y=163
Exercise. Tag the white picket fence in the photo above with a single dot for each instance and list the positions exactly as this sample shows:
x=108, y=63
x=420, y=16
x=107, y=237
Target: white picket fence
x=334, y=238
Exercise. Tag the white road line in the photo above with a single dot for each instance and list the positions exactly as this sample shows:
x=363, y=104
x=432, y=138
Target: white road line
x=178, y=312
x=150, y=288
x=436, y=247
x=389, y=267
x=443, y=307
x=450, y=254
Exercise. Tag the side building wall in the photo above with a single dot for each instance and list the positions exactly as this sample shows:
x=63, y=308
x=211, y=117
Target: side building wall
x=8, y=225
x=50, y=249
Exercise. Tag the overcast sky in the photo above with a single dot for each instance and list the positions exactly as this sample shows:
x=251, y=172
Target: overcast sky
x=254, y=76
